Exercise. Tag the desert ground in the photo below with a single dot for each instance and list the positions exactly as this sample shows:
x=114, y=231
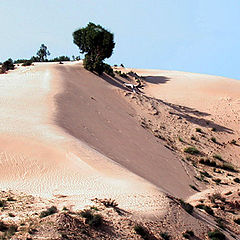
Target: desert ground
x=75, y=140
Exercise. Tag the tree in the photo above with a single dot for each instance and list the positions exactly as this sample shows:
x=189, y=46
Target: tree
x=97, y=43
x=43, y=53
x=7, y=65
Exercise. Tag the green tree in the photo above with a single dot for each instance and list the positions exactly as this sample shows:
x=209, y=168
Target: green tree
x=97, y=43
x=7, y=65
x=43, y=53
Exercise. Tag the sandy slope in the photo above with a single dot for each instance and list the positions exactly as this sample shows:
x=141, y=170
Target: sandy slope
x=200, y=98
x=64, y=131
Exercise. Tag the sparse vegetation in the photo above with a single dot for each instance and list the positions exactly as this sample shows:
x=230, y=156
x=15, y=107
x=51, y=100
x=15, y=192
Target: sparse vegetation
x=192, y=150
x=228, y=167
x=220, y=222
x=27, y=63
x=186, y=206
x=165, y=235
x=142, y=231
x=236, y=180
x=214, y=139
x=218, y=157
x=193, y=138
x=207, y=209
x=234, y=142
x=92, y=219
x=194, y=188
x=208, y=162
x=180, y=139
x=237, y=221
x=216, y=235
x=48, y=212
x=188, y=234
x=2, y=203
x=199, y=130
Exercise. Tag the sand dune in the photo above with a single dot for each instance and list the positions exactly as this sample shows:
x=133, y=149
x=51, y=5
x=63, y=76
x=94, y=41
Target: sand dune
x=54, y=123
x=68, y=134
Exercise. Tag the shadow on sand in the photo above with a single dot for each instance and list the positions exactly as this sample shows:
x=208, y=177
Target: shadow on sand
x=186, y=113
x=156, y=79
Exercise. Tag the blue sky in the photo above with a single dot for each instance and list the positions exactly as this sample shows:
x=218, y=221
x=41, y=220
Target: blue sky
x=200, y=36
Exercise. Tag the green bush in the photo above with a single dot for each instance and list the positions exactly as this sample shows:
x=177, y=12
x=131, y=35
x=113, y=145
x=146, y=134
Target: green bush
x=48, y=212
x=27, y=63
x=60, y=59
x=97, y=43
x=191, y=150
x=108, y=70
x=7, y=65
x=216, y=235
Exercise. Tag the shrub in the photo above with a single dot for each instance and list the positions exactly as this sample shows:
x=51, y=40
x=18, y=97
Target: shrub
x=220, y=222
x=216, y=196
x=217, y=180
x=27, y=63
x=214, y=139
x=205, y=174
x=194, y=188
x=188, y=234
x=233, y=142
x=48, y=212
x=207, y=209
x=237, y=221
x=108, y=70
x=186, y=206
x=216, y=235
x=208, y=162
x=180, y=139
x=237, y=180
x=165, y=235
x=2, y=203
x=191, y=150
x=142, y=231
x=193, y=138
x=94, y=220
x=7, y=65
x=199, y=130
x=217, y=156
x=214, y=129
x=228, y=167
x=60, y=59
x=109, y=203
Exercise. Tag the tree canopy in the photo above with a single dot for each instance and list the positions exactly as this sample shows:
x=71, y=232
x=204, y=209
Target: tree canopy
x=97, y=43
x=43, y=53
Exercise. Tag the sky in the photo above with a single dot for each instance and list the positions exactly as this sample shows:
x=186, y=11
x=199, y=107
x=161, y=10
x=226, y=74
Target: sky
x=201, y=36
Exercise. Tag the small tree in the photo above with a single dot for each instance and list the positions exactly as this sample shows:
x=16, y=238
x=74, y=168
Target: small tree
x=43, y=53
x=97, y=43
x=7, y=65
